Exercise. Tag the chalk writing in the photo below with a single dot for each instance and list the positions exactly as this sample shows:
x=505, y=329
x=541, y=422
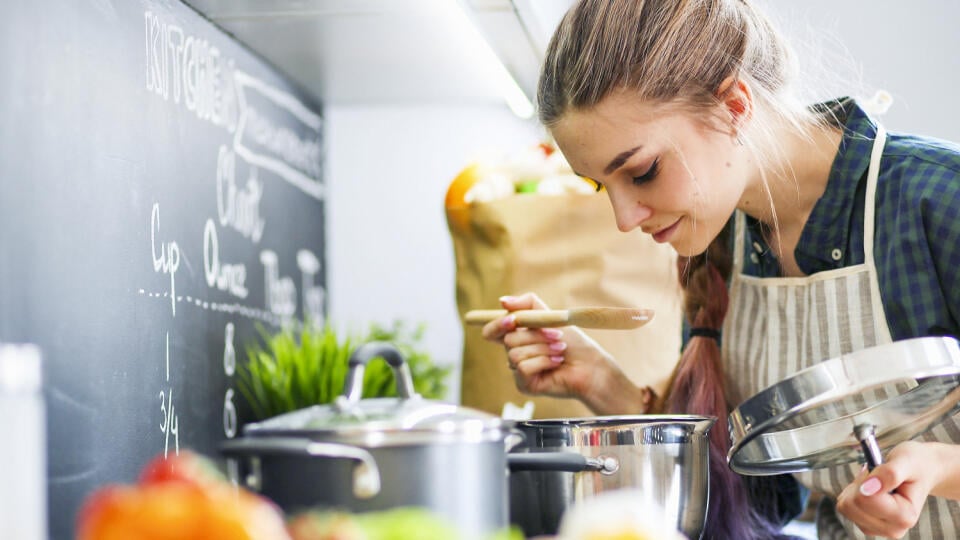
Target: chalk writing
x=311, y=295
x=181, y=67
x=238, y=208
x=229, y=353
x=230, y=308
x=170, y=425
x=281, y=293
x=271, y=135
x=229, y=415
x=229, y=368
x=167, y=260
x=295, y=155
x=226, y=277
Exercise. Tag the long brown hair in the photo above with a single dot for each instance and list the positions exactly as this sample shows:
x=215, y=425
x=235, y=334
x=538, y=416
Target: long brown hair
x=678, y=53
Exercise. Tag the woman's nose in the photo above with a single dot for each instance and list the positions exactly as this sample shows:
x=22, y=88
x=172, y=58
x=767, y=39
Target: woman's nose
x=628, y=212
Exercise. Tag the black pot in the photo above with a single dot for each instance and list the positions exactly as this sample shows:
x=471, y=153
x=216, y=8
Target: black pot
x=376, y=454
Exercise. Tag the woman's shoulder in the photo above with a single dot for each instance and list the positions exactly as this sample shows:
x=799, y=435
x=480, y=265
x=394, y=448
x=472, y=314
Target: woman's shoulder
x=921, y=168
x=928, y=153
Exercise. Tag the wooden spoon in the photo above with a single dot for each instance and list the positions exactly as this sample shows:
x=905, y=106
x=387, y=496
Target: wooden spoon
x=586, y=317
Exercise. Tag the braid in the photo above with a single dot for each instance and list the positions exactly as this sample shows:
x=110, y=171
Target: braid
x=698, y=388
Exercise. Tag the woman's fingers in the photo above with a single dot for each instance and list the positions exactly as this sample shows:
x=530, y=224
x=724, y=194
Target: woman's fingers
x=888, y=501
x=552, y=361
x=525, y=344
x=553, y=351
x=881, y=514
x=529, y=373
x=527, y=300
x=496, y=329
x=532, y=336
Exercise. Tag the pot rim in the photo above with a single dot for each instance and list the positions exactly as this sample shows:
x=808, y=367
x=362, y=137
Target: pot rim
x=385, y=439
x=703, y=423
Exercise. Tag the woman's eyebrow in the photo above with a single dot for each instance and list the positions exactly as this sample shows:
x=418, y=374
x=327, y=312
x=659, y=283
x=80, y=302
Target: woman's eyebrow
x=621, y=158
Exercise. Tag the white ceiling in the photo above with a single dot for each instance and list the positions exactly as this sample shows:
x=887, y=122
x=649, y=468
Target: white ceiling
x=391, y=51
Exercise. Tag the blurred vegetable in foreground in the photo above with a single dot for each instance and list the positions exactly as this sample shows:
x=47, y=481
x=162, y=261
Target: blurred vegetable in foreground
x=180, y=498
x=406, y=523
x=292, y=369
x=185, y=497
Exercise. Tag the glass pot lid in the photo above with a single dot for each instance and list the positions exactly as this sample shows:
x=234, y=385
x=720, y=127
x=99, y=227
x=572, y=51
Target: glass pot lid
x=849, y=408
x=407, y=419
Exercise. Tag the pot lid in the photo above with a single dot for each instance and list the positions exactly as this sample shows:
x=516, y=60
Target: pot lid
x=849, y=408
x=382, y=420
x=408, y=419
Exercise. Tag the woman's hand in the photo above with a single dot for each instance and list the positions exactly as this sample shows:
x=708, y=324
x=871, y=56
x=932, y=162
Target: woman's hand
x=563, y=363
x=888, y=500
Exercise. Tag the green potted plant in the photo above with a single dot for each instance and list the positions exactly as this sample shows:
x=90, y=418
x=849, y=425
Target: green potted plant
x=292, y=369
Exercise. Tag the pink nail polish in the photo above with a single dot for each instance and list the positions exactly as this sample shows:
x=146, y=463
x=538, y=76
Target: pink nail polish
x=556, y=359
x=558, y=346
x=506, y=299
x=552, y=333
x=509, y=321
x=870, y=487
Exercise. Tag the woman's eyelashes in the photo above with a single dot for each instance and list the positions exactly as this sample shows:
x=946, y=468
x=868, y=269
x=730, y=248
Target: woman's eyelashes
x=649, y=175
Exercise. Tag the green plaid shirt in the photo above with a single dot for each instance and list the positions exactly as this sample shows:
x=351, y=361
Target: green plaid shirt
x=917, y=239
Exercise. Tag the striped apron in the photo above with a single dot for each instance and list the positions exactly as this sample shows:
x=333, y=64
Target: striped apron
x=778, y=326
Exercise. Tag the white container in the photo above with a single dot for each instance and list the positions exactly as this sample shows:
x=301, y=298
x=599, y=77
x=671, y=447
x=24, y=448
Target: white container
x=23, y=450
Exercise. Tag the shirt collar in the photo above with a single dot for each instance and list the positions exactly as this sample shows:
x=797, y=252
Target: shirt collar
x=829, y=224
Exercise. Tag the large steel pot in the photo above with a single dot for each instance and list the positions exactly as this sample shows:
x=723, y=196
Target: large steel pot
x=666, y=457
x=375, y=454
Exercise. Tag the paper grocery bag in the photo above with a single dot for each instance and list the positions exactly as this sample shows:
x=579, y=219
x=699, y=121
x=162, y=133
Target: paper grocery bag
x=568, y=250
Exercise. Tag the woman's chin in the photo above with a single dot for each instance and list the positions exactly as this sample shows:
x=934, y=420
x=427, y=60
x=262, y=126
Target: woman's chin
x=685, y=248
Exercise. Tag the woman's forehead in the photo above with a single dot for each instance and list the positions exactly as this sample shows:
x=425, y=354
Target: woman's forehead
x=589, y=136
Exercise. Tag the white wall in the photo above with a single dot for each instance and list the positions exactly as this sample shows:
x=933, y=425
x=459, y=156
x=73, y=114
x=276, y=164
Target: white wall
x=388, y=167
x=388, y=249
x=910, y=49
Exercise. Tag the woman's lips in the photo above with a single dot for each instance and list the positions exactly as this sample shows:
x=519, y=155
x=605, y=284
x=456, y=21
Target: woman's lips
x=664, y=235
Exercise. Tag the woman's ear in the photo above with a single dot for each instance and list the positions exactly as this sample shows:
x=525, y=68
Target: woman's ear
x=737, y=100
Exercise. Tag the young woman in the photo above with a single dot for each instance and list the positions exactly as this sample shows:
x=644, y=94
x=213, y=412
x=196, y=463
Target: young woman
x=803, y=232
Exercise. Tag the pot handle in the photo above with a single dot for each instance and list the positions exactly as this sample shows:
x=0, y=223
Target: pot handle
x=561, y=461
x=366, y=475
x=353, y=386
x=513, y=439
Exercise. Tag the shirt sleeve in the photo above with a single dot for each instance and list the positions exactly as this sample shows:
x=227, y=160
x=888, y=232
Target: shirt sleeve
x=923, y=261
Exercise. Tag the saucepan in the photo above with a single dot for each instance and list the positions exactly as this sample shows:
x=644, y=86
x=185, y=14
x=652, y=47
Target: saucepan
x=663, y=457
x=380, y=453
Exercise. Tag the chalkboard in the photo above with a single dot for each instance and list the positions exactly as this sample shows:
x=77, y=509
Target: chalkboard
x=160, y=196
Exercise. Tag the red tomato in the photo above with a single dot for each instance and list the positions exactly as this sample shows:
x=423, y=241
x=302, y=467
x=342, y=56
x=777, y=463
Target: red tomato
x=186, y=467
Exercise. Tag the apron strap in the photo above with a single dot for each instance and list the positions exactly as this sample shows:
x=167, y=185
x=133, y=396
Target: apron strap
x=738, y=239
x=869, y=224
x=870, y=201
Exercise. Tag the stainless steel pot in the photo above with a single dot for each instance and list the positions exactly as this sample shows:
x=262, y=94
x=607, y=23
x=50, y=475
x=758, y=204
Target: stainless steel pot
x=375, y=454
x=666, y=457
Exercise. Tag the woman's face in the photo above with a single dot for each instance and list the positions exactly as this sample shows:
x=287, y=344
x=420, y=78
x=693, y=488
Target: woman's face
x=675, y=177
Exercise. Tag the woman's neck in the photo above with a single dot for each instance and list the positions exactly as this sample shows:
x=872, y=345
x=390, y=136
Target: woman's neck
x=786, y=188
